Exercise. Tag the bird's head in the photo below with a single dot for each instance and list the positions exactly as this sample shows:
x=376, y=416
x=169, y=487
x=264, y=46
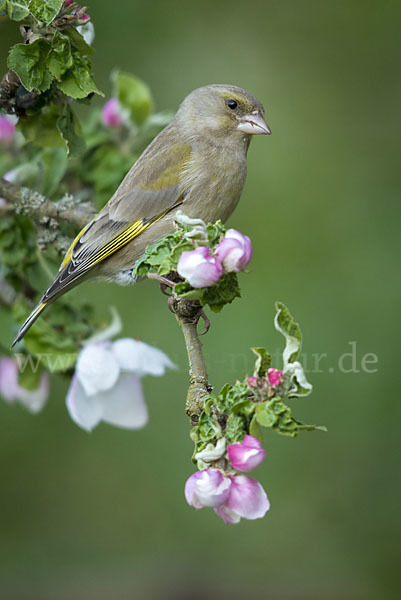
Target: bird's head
x=221, y=111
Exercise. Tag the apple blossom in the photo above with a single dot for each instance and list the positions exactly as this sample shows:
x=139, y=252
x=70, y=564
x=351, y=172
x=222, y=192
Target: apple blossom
x=246, y=455
x=11, y=391
x=199, y=267
x=274, y=376
x=106, y=385
x=111, y=113
x=234, y=251
x=208, y=487
x=247, y=499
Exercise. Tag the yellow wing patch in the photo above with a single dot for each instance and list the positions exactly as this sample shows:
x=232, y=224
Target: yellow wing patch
x=68, y=255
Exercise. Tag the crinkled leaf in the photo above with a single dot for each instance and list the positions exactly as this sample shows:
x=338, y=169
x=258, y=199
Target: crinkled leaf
x=17, y=9
x=277, y=415
x=133, y=94
x=29, y=61
x=306, y=427
x=45, y=11
x=60, y=58
x=234, y=430
x=77, y=81
x=2, y=7
x=285, y=324
x=221, y=293
x=215, y=232
x=70, y=129
x=263, y=361
x=298, y=384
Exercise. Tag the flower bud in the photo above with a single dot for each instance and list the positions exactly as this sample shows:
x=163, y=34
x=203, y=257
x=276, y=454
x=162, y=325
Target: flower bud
x=246, y=455
x=247, y=499
x=274, y=376
x=253, y=382
x=111, y=114
x=68, y=3
x=199, y=267
x=234, y=251
x=7, y=129
x=207, y=488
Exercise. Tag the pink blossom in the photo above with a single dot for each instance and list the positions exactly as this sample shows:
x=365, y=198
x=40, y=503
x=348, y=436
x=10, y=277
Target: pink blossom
x=68, y=3
x=82, y=16
x=111, y=113
x=11, y=391
x=234, y=251
x=253, y=382
x=7, y=129
x=207, y=488
x=247, y=499
x=199, y=267
x=246, y=455
x=274, y=376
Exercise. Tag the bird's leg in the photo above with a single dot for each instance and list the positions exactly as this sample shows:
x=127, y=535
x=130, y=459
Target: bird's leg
x=162, y=280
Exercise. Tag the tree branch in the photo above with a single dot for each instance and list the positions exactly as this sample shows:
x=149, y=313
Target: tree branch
x=187, y=314
x=28, y=202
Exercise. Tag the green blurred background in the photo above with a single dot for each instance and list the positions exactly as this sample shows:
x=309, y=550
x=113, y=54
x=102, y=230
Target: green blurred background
x=103, y=515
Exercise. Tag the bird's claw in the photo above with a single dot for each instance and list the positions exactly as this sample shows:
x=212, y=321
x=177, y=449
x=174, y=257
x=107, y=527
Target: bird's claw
x=202, y=314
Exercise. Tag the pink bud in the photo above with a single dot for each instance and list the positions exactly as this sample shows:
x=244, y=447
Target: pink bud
x=199, y=267
x=68, y=3
x=84, y=18
x=274, y=376
x=207, y=488
x=246, y=499
x=234, y=251
x=246, y=455
x=253, y=382
x=111, y=114
x=7, y=129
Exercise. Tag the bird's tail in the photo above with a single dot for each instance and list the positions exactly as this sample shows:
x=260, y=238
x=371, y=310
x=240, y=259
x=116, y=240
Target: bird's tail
x=30, y=321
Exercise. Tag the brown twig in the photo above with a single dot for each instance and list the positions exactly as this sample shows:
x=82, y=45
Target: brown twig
x=187, y=314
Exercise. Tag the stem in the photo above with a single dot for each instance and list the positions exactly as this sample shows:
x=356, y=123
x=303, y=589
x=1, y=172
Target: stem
x=187, y=315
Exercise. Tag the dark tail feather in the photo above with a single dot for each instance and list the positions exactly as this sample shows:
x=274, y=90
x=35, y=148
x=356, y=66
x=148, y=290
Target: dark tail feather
x=30, y=321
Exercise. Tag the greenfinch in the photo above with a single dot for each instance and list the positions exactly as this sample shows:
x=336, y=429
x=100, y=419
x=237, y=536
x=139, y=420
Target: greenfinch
x=197, y=164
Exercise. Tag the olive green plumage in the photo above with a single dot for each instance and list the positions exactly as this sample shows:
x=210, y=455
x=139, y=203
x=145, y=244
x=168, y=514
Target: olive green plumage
x=197, y=164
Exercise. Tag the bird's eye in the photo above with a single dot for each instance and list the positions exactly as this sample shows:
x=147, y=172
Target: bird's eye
x=232, y=104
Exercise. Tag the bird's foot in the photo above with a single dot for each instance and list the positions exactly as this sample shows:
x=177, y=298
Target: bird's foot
x=202, y=315
x=164, y=282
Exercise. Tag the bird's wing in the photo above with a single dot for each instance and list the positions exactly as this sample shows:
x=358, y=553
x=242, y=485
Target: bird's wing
x=147, y=194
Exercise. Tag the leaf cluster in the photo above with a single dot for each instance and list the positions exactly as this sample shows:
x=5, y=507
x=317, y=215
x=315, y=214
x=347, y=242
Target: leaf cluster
x=241, y=409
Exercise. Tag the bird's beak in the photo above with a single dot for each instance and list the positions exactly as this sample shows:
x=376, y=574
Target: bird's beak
x=254, y=124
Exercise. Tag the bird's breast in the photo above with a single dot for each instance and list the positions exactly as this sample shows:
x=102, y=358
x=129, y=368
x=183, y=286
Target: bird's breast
x=215, y=180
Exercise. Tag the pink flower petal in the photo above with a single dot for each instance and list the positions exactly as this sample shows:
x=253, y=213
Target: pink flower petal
x=247, y=498
x=207, y=488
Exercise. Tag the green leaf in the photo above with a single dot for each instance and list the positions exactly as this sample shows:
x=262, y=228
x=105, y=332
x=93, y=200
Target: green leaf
x=77, y=81
x=263, y=361
x=285, y=324
x=255, y=430
x=8, y=327
x=78, y=42
x=134, y=95
x=215, y=233
x=60, y=58
x=54, y=161
x=29, y=61
x=277, y=415
x=70, y=129
x=45, y=11
x=223, y=292
x=298, y=385
x=2, y=5
x=41, y=128
x=17, y=9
